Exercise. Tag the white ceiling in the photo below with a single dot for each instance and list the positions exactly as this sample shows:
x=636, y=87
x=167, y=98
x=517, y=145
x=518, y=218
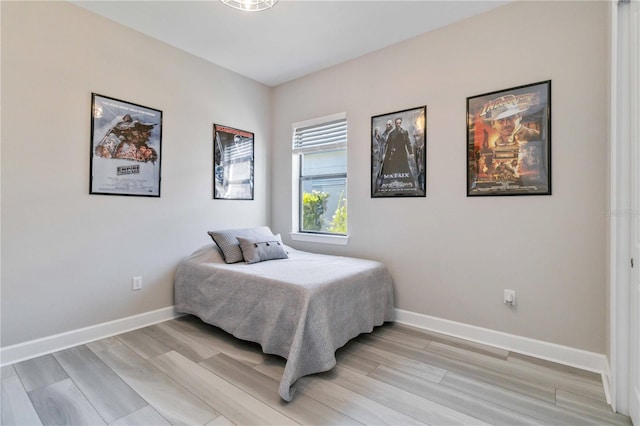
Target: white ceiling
x=295, y=38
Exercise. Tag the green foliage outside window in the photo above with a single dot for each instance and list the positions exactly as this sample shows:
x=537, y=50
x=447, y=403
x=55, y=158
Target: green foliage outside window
x=339, y=220
x=314, y=206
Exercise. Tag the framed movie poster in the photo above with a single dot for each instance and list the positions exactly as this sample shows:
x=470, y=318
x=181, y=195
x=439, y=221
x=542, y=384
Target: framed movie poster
x=398, y=154
x=509, y=141
x=126, y=141
x=232, y=163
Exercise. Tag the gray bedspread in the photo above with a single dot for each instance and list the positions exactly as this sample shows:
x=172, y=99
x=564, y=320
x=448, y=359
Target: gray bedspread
x=303, y=308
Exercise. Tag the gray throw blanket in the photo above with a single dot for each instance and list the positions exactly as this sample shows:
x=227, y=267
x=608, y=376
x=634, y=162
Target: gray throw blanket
x=302, y=308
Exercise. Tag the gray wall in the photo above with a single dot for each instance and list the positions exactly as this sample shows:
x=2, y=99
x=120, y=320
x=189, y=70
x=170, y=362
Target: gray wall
x=68, y=257
x=452, y=256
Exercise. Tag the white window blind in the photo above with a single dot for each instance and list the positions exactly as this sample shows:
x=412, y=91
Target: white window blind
x=324, y=136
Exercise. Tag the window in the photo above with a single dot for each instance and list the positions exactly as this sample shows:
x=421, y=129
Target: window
x=320, y=174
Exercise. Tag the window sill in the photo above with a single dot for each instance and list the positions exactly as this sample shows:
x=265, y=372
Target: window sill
x=341, y=240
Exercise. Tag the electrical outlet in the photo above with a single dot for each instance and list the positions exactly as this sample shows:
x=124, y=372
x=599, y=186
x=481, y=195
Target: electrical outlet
x=509, y=297
x=136, y=283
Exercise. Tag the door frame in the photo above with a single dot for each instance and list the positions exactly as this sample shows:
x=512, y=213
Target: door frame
x=634, y=275
x=622, y=80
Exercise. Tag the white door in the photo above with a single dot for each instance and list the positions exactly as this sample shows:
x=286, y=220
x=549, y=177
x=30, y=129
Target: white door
x=634, y=305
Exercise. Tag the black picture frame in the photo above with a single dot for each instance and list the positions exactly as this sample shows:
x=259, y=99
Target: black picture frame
x=126, y=148
x=233, y=162
x=399, y=153
x=509, y=141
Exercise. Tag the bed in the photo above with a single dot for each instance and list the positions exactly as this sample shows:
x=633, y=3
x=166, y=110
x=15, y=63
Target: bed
x=302, y=307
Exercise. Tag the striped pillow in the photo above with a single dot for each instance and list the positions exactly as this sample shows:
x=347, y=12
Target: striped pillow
x=227, y=240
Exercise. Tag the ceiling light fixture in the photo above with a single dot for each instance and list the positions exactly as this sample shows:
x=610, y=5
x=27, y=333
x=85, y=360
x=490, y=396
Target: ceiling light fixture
x=250, y=5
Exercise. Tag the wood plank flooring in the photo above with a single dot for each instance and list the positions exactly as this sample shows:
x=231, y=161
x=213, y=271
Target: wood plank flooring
x=185, y=372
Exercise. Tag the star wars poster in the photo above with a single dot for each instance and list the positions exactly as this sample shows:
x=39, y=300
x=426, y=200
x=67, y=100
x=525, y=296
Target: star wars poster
x=398, y=154
x=509, y=141
x=126, y=144
x=232, y=163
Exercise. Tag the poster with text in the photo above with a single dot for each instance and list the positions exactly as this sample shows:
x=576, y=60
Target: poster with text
x=398, y=153
x=126, y=142
x=509, y=141
x=232, y=163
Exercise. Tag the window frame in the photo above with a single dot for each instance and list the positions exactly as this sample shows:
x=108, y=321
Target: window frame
x=297, y=234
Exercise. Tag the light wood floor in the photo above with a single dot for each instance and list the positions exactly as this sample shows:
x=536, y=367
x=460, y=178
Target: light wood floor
x=184, y=372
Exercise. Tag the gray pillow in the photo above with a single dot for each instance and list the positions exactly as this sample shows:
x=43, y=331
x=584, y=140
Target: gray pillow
x=260, y=249
x=227, y=240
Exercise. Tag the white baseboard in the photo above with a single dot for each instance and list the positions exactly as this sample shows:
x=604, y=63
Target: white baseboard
x=46, y=345
x=634, y=406
x=565, y=355
x=585, y=360
x=608, y=385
